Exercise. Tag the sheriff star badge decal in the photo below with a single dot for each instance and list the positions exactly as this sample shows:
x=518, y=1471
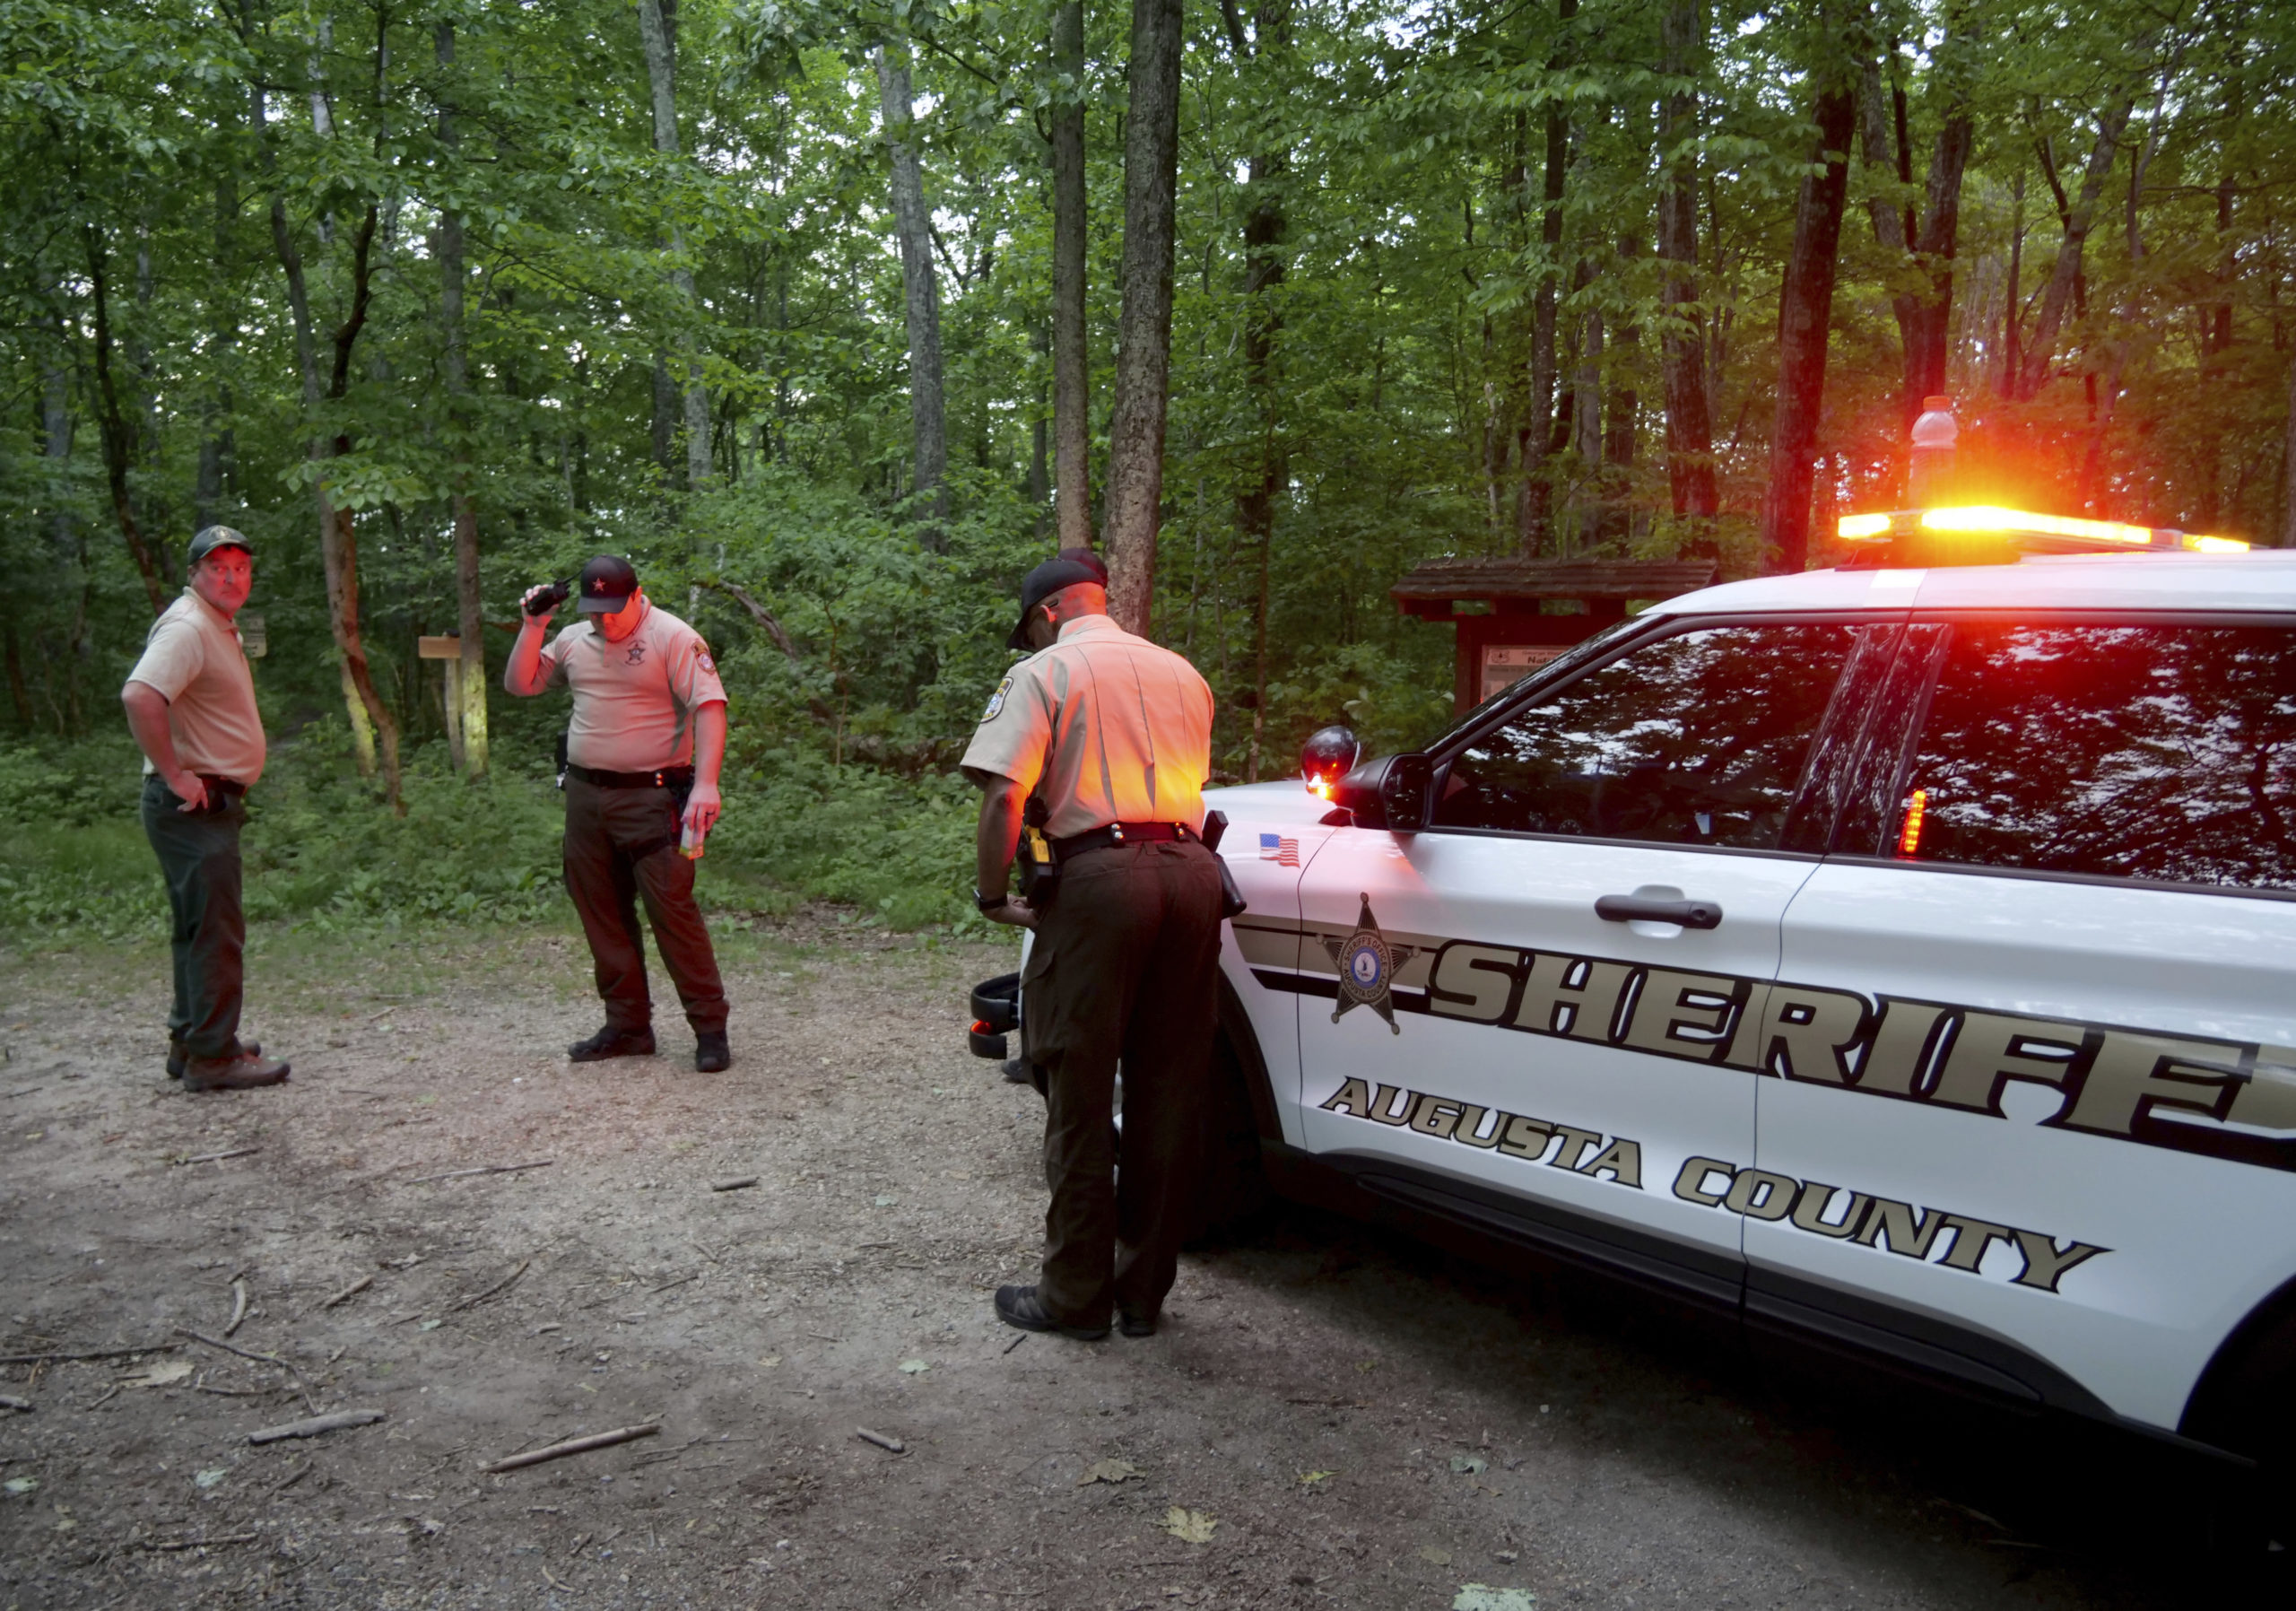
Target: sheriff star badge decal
x=1367, y=967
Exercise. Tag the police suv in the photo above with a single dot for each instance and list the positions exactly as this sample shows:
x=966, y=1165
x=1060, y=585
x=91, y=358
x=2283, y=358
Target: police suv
x=1903, y=957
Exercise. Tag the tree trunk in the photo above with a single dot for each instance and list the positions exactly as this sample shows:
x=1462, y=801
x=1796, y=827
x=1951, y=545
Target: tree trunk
x=1806, y=311
x=360, y=702
x=215, y=436
x=1534, y=506
x=1264, y=224
x=921, y=299
x=657, y=28
x=1613, y=520
x=1690, y=430
x=2080, y=216
x=339, y=535
x=119, y=439
x=1072, y=382
x=1144, y=324
x=1935, y=248
x=2288, y=468
x=471, y=721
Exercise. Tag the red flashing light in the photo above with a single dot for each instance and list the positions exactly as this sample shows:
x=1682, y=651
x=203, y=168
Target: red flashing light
x=1916, y=806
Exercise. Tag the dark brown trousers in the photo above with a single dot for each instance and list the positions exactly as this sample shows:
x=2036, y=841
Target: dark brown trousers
x=1124, y=969
x=622, y=847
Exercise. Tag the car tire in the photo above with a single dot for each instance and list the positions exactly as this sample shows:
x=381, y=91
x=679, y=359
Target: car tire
x=1232, y=1190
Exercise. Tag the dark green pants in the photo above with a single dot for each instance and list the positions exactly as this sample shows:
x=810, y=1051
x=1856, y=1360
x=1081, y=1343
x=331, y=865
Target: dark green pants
x=1124, y=969
x=199, y=857
x=620, y=847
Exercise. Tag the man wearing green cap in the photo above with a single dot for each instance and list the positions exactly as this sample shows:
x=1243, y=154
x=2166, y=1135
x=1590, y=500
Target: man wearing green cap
x=190, y=702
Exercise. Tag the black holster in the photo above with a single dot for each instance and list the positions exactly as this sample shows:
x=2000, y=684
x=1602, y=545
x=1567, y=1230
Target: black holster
x=1039, y=871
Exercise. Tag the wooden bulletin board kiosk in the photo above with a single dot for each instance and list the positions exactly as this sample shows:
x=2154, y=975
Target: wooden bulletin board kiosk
x=1515, y=635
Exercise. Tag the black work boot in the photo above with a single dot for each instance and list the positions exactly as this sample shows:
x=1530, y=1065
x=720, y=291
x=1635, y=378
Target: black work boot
x=178, y=1057
x=1020, y=1306
x=611, y=1042
x=243, y=1072
x=712, y=1055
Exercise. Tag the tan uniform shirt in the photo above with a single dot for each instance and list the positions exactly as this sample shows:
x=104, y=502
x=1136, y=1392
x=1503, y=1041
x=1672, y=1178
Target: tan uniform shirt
x=1108, y=728
x=193, y=656
x=634, y=701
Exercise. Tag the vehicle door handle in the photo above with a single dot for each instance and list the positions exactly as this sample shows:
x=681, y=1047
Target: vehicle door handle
x=1638, y=909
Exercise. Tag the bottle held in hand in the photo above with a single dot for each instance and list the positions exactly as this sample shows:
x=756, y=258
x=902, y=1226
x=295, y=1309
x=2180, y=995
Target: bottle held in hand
x=690, y=839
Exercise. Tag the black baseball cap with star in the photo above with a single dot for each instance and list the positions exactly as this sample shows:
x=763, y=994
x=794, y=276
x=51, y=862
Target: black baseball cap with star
x=606, y=585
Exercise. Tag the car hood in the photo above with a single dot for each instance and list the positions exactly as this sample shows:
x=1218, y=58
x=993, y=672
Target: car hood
x=1283, y=802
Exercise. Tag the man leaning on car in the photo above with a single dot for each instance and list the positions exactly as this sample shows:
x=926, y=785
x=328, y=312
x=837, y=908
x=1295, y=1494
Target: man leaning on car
x=1113, y=734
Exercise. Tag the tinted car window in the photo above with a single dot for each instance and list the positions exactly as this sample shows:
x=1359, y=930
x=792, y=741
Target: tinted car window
x=2136, y=751
x=1695, y=739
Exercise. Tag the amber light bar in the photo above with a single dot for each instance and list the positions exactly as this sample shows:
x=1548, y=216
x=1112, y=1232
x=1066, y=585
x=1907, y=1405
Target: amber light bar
x=2025, y=523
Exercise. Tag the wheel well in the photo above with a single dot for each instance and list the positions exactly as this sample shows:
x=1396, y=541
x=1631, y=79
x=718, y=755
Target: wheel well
x=2246, y=1401
x=1235, y=1029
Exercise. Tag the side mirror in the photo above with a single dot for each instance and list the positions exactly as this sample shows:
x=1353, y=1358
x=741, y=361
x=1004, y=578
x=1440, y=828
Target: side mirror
x=1391, y=792
x=1329, y=754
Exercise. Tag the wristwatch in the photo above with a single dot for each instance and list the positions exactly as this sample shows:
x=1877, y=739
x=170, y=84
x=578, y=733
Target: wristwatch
x=989, y=903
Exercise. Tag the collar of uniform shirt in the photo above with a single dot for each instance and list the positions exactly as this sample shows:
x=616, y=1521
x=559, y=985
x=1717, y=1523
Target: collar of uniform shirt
x=230, y=626
x=1087, y=623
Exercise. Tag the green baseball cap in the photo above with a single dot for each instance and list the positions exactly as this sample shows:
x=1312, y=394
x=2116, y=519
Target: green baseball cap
x=213, y=537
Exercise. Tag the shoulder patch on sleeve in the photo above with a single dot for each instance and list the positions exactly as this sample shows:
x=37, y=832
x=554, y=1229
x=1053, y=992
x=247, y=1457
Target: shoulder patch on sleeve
x=997, y=700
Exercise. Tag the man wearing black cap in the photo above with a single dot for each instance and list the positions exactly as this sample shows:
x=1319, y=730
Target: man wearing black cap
x=190, y=702
x=1112, y=735
x=643, y=752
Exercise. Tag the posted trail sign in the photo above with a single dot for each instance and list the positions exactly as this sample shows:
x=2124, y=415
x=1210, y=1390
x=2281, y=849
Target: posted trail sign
x=449, y=649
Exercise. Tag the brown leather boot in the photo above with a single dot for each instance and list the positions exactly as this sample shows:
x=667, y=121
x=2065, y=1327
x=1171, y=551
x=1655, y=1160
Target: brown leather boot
x=178, y=1057
x=242, y=1073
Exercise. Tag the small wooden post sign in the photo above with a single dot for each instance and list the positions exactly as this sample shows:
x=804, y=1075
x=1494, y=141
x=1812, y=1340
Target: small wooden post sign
x=449, y=649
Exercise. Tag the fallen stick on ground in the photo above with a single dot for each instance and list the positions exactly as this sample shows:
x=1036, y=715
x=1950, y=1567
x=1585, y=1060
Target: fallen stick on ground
x=54, y=1358
x=266, y=1359
x=891, y=1445
x=559, y=1452
x=288, y=1365
x=239, y=1306
x=489, y=1169
x=497, y=1286
x=238, y=1392
x=350, y=1292
x=25, y=1091
x=734, y=1184
x=316, y=1425
x=10, y=1401
x=174, y=1543
x=237, y=1152
x=681, y=1281
x=1016, y=1342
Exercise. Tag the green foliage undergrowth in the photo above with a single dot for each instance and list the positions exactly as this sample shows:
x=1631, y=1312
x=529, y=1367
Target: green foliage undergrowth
x=323, y=854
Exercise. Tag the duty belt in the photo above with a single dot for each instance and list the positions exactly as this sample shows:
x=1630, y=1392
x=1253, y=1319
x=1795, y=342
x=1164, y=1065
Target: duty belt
x=668, y=777
x=1119, y=834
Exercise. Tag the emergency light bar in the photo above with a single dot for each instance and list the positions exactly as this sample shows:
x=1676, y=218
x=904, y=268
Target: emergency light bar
x=1986, y=534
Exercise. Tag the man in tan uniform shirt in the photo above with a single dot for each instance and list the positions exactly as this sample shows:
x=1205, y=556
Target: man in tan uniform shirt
x=1113, y=735
x=190, y=702
x=643, y=752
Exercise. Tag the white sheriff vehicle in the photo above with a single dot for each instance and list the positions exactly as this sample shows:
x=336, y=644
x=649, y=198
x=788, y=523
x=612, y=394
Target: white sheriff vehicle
x=1903, y=958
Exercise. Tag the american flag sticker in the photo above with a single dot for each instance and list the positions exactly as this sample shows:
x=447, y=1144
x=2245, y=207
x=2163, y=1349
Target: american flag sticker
x=1275, y=848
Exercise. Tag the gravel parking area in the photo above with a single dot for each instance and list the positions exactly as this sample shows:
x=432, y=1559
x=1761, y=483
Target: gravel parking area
x=1330, y=1417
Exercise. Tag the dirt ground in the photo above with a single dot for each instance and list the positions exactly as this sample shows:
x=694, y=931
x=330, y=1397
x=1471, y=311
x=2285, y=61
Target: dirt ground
x=1331, y=1416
